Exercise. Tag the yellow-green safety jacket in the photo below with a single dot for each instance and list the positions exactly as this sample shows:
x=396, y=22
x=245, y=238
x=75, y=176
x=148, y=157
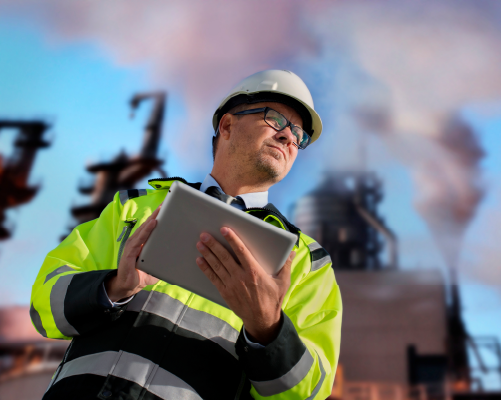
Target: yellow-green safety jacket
x=169, y=343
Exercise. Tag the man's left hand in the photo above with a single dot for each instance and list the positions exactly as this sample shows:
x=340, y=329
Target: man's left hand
x=249, y=291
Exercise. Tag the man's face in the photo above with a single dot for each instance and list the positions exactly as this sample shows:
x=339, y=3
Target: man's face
x=259, y=148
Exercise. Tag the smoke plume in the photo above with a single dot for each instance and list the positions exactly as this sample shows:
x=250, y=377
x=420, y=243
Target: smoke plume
x=429, y=59
x=400, y=68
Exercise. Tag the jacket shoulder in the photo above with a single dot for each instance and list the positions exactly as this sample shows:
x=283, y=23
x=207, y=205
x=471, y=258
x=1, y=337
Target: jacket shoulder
x=319, y=257
x=127, y=194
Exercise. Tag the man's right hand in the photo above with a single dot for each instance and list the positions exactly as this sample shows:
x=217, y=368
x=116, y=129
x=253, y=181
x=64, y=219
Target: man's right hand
x=128, y=281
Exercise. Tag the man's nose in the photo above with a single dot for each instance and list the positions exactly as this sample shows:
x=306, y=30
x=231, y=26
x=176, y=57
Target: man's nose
x=285, y=136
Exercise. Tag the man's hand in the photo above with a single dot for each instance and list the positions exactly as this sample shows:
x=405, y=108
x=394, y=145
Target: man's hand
x=128, y=280
x=249, y=291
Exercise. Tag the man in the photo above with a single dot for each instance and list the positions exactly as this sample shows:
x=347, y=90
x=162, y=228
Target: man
x=135, y=337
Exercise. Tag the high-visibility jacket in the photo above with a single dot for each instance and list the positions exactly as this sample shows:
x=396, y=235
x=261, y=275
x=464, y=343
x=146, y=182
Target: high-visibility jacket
x=169, y=343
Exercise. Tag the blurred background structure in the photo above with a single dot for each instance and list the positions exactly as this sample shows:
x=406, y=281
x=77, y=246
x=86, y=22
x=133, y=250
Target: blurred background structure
x=410, y=96
x=15, y=169
x=124, y=172
x=403, y=333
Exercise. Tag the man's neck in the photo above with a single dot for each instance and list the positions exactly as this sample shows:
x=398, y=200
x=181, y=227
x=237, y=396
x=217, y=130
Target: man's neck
x=236, y=185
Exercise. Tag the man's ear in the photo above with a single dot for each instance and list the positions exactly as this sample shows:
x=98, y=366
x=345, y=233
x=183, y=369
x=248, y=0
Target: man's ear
x=226, y=125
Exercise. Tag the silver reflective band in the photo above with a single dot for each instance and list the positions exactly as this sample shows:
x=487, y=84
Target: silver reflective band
x=137, y=303
x=57, y=295
x=314, y=246
x=317, y=264
x=57, y=271
x=320, y=381
x=287, y=381
x=37, y=321
x=134, y=368
x=95, y=364
x=200, y=322
x=123, y=195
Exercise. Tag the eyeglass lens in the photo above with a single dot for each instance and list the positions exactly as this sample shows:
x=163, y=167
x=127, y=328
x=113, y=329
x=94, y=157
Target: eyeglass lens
x=278, y=121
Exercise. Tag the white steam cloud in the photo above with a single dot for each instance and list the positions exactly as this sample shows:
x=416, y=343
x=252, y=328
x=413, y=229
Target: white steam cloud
x=400, y=68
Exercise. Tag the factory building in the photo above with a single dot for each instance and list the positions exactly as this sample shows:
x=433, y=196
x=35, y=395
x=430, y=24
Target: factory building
x=402, y=332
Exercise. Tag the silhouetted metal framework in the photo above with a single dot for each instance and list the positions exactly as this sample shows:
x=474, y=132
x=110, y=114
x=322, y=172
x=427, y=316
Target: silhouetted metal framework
x=457, y=343
x=341, y=214
x=15, y=169
x=462, y=371
x=123, y=171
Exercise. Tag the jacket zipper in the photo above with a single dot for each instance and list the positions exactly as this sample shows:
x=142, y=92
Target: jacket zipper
x=131, y=223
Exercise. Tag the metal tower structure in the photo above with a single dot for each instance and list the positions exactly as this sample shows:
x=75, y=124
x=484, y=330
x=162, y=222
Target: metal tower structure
x=341, y=214
x=15, y=170
x=124, y=171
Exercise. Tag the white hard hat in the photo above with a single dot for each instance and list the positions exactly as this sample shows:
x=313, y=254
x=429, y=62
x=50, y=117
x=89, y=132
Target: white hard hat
x=274, y=85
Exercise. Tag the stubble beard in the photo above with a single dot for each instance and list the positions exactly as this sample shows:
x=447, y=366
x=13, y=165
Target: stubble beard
x=259, y=165
x=265, y=166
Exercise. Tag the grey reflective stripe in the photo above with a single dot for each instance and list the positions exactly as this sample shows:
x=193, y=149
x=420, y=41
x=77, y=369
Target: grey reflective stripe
x=320, y=381
x=53, y=377
x=137, y=303
x=314, y=246
x=134, y=368
x=57, y=271
x=124, y=196
x=287, y=381
x=168, y=386
x=317, y=264
x=200, y=322
x=57, y=295
x=37, y=321
x=319, y=256
x=95, y=364
x=122, y=234
x=212, y=328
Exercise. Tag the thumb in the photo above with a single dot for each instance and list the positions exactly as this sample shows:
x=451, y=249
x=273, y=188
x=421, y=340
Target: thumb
x=285, y=272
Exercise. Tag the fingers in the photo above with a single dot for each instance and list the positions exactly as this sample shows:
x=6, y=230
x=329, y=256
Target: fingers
x=220, y=253
x=153, y=216
x=245, y=257
x=217, y=265
x=134, y=245
x=209, y=273
x=285, y=273
x=146, y=279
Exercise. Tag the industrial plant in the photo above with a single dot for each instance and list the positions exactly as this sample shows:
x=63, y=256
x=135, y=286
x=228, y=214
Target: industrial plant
x=403, y=336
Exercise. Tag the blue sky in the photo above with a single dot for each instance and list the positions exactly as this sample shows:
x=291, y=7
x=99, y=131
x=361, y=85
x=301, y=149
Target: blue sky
x=86, y=96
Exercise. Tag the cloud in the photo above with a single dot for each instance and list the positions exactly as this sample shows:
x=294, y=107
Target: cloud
x=399, y=68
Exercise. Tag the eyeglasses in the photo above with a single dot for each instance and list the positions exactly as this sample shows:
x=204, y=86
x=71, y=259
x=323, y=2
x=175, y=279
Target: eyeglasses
x=278, y=122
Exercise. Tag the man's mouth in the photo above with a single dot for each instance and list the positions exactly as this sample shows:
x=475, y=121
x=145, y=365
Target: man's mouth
x=279, y=149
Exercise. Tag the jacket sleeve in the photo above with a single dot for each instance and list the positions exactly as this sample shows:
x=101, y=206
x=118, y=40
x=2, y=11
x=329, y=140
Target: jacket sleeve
x=64, y=300
x=301, y=362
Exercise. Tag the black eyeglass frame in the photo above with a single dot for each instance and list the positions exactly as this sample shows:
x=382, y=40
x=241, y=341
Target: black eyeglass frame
x=265, y=110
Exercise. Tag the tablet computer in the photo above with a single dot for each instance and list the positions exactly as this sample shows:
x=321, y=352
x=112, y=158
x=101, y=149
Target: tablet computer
x=170, y=252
